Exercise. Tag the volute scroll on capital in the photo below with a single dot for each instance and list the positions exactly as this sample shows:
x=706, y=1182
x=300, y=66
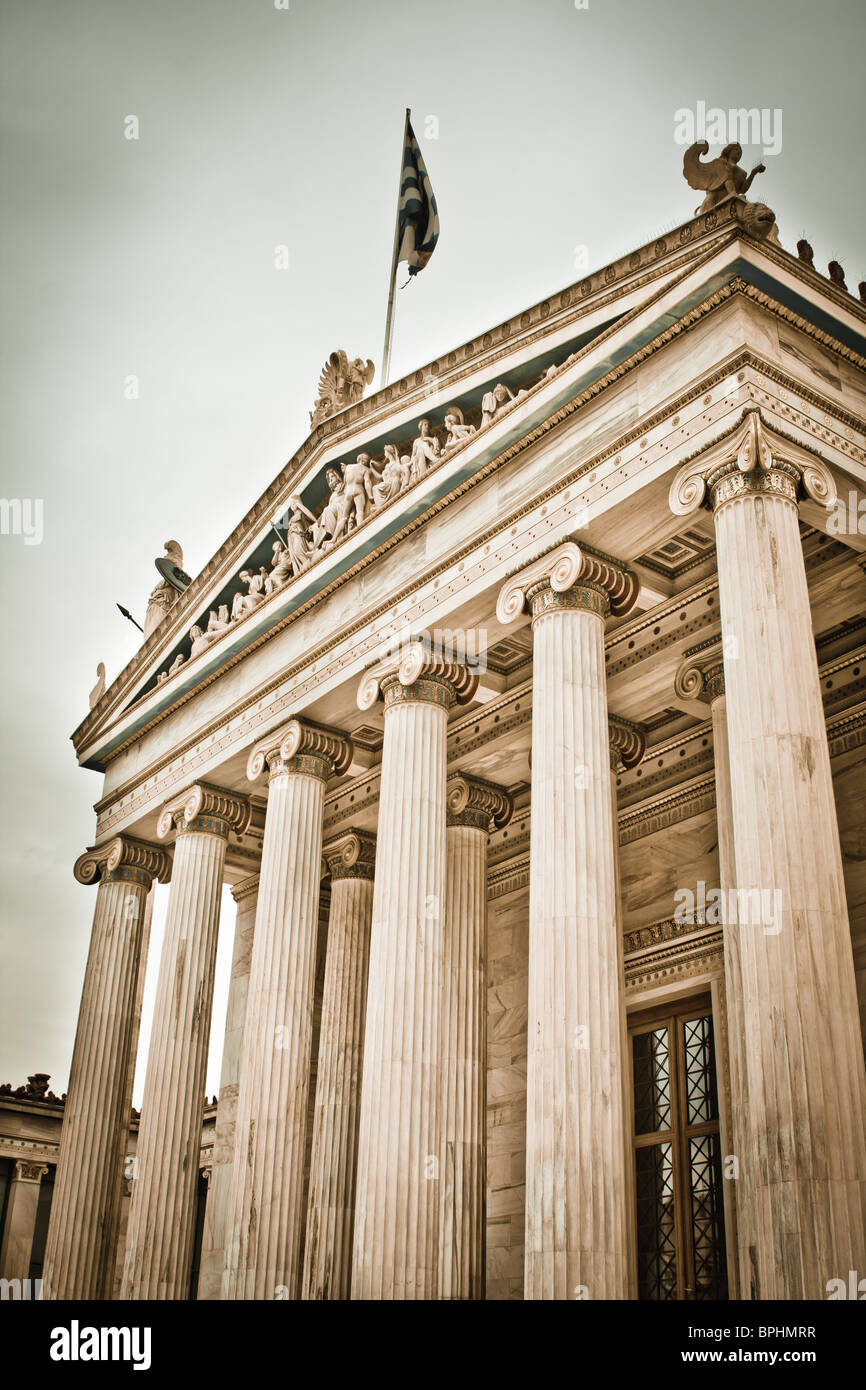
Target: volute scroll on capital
x=469, y=801
x=124, y=858
x=417, y=671
x=301, y=747
x=566, y=567
x=752, y=457
x=205, y=808
x=702, y=677
x=350, y=855
x=627, y=743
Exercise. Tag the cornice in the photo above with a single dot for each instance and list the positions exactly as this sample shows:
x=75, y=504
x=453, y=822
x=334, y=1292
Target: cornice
x=700, y=955
x=194, y=596
x=376, y=407
x=669, y=414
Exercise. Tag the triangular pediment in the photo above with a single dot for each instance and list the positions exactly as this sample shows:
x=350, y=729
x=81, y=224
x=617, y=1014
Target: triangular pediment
x=549, y=357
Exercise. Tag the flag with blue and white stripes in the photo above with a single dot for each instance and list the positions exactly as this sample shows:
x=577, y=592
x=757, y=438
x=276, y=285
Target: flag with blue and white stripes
x=419, y=220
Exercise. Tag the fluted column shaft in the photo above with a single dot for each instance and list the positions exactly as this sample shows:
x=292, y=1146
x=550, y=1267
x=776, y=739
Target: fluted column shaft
x=576, y=1242
x=245, y=894
x=806, y=1155
x=627, y=747
x=738, y=1201
x=464, y=1065
x=397, y=1203
x=85, y=1211
x=266, y=1208
x=159, y=1239
x=471, y=804
x=331, y=1201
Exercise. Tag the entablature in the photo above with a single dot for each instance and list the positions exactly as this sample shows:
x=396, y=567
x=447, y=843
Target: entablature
x=611, y=347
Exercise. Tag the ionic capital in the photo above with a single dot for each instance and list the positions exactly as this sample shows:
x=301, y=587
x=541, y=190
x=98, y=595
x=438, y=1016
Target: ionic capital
x=124, y=860
x=627, y=743
x=301, y=749
x=351, y=855
x=702, y=677
x=471, y=802
x=29, y=1172
x=752, y=458
x=203, y=809
x=245, y=888
x=417, y=672
x=569, y=576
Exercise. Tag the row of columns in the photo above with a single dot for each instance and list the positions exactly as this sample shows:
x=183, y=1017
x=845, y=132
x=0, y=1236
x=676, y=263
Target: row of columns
x=395, y=1195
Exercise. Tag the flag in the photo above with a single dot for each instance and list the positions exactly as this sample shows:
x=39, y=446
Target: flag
x=417, y=215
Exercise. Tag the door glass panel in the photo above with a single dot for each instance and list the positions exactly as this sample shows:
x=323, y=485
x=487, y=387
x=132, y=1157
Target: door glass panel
x=652, y=1082
x=701, y=1099
x=705, y=1181
x=677, y=1152
x=656, y=1236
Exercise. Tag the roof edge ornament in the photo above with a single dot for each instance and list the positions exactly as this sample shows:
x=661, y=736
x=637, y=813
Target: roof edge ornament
x=341, y=383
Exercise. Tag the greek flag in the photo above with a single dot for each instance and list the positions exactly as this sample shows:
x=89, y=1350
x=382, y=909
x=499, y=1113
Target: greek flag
x=418, y=218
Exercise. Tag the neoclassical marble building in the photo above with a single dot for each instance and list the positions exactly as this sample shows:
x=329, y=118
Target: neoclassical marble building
x=530, y=739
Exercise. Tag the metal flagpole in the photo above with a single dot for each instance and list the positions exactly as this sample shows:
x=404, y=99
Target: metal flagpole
x=389, y=320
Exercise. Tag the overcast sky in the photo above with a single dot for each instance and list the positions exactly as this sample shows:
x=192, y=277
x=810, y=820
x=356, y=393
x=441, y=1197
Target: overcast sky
x=261, y=127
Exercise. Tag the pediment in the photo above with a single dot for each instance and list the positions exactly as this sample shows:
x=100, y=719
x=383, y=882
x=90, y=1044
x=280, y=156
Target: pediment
x=549, y=357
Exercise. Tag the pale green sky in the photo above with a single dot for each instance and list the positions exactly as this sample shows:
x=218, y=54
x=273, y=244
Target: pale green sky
x=156, y=258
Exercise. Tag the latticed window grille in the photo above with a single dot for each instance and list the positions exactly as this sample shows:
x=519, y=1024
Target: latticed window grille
x=677, y=1149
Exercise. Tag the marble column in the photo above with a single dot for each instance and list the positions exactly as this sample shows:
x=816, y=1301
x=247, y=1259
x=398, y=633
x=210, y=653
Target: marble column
x=159, y=1241
x=576, y=1206
x=351, y=860
x=805, y=1156
x=471, y=807
x=85, y=1210
x=245, y=894
x=627, y=747
x=266, y=1207
x=703, y=679
x=396, y=1240
x=21, y=1205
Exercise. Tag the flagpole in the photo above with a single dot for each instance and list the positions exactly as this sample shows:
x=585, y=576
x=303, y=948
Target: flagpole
x=389, y=319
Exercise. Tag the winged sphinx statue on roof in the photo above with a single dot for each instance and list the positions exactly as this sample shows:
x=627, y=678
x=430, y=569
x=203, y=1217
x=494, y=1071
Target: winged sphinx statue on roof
x=721, y=179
